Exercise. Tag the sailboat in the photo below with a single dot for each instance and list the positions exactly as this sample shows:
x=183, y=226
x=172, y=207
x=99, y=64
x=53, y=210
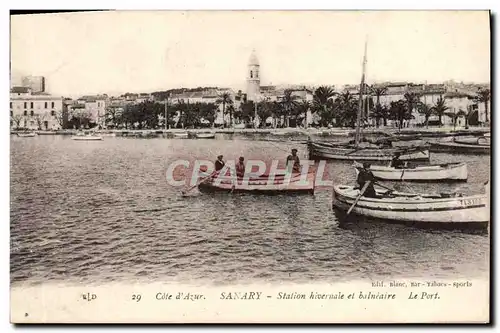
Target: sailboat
x=364, y=151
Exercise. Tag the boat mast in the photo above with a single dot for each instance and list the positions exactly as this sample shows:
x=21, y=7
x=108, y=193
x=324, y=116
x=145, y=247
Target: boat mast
x=360, y=101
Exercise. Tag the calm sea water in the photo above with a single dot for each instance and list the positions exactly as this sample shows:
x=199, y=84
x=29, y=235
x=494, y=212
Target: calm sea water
x=103, y=211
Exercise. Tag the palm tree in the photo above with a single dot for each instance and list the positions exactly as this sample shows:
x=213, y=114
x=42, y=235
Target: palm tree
x=440, y=108
x=300, y=111
x=399, y=111
x=381, y=112
x=288, y=102
x=225, y=99
x=347, y=105
x=411, y=101
x=454, y=116
x=426, y=110
x=378, y=91
x=483, y=96
x=323, y=103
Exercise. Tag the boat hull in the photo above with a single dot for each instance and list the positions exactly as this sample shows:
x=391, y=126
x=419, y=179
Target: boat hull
x=365, y=154
x=459, y=148
x=408, y=208
x=205, y=135
x=86, y=138
x=451, y=172
x=26, y=135
x=181, y=135
x=295, y=185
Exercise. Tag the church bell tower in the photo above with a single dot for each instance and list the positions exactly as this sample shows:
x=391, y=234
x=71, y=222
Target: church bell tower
x=253, y=78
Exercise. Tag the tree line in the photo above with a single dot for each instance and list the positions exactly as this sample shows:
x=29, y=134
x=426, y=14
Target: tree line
x=327, y=107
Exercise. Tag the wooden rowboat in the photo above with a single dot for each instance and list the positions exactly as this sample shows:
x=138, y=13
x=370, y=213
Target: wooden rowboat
x=426, y=173
x=282, y=183
x=338, y=152
x=459, y=148
x=26, y=135
x=424, y=209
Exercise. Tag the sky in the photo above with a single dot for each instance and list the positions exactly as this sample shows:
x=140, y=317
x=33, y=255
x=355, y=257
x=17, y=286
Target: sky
x=145, y=51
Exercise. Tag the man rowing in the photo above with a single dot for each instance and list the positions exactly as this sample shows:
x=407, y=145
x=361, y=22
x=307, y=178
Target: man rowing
x=240, y=167
x=364, y=176
x=219, y=164
x=295, y=161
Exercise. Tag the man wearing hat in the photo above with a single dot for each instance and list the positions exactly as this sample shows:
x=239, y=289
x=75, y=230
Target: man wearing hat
x=364, y=176
x=295, y=160
x=219, y=164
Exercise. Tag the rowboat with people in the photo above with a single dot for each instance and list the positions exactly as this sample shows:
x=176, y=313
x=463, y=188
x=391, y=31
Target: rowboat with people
x=264, y=184
x=415, y=208
x=422, y=173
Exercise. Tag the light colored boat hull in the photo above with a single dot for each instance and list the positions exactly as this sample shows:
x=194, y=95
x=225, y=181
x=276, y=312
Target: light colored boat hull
x=456, y=210
x=456, y=172
x=181, y=135
x=262, y=186
x=28, y=135
x=205, y=136
x=86, y=138
x=351, y=154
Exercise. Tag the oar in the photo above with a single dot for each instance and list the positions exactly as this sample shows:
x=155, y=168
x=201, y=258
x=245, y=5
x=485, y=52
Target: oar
x=198, y=183
x=357, y=199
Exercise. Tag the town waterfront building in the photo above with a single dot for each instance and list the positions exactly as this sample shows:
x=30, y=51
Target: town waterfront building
x=35, y=111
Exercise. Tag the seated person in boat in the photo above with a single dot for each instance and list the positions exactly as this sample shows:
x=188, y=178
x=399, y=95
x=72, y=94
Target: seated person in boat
x=396, y=161
x=219, y=164
x=295, y=159
x=365, y=175
x=240, y=168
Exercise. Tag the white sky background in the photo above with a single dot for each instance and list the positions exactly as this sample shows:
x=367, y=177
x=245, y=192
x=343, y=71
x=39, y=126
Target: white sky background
x=144, y=51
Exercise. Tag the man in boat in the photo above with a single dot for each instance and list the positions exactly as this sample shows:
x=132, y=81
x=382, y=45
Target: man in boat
x=396, y=161
x=364, y=176
x=219, y=164
x=295, y=159
x=240, y=168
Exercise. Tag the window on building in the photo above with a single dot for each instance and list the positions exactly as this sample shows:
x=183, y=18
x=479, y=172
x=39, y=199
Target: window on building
x=251, y=74
x=11, y=113
x=11, y=105
x=31, y=105
x=25, y=112
x=46, y=105
x=25, y=105
x=32, y=113
x=53, y=104
x=52, y=113
x=256, y=74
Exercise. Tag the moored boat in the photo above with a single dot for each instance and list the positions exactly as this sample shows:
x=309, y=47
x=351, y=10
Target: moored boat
x=425, y=173
x=26, y=135
x=86, y=137
x=205, y=135
x=482, y=141
x=265, y=184
x=181, y=135
x=338, y=152
x=459, y=148
x=400, y=207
